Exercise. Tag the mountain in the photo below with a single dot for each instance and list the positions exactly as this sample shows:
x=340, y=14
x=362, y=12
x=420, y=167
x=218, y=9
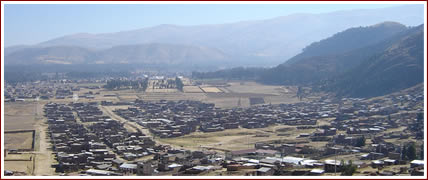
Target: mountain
x=49, y=55
x=129, y=54
x=397, y=67
x=350, y=39
x=161, y=54
x=271, y=41
x=384, y=65
x=334, y=55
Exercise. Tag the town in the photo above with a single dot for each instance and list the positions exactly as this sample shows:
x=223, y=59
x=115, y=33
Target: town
x=105, y=133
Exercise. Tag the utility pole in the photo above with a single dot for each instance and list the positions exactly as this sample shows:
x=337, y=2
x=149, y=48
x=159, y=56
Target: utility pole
x=335, y=160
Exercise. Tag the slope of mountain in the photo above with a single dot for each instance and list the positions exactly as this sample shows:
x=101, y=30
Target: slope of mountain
x=321, y=60
x=399, y=66
x=49, y=55
x=131, y=54
x=350, y=39
x=278, y=38
x=377, y=69
x=161, y=54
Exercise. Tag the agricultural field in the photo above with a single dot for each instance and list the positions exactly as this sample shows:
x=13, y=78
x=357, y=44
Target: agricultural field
x=21, y=115
x=211, y=90
x=20, y=163
x=243, y=91
x=21, y=140
x=23, y=167
x=192, y=89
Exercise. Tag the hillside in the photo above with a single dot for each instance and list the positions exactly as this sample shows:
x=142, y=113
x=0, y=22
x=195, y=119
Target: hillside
x=378, y=68
x=161, y=54
x=349, y=39
x=399, y=66
x=49, y=55
x=321, y=60
x=131, y=54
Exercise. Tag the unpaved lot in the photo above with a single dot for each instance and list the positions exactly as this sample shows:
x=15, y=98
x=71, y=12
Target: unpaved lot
x=21, y=115
x=22, y=140
x=234, y=139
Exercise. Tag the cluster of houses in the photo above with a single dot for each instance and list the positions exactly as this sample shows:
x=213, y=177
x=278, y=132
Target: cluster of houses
x=45, y=90
x=177, y=118
x=23, y=91
x=104, y=147
x=353, y=122
x=89, y=142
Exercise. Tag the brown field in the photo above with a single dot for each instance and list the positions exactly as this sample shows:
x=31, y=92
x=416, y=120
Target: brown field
x=20, y=166
x=192, y=89
x=253, y=87
x=234, y=139
x=127, y=97
x=150, y=90
x=211, y=90
x=222, y=93
x=233, y=91
x=171, y=96
x=22, y=140
x=21, y=115
x=23, y=157
x=23, y=163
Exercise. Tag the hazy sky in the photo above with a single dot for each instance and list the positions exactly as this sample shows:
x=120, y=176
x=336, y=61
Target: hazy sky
x=31, y=24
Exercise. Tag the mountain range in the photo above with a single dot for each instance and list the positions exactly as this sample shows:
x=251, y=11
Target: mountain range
x=261, y=42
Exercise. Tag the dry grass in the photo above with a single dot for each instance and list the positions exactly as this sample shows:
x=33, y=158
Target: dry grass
x=24, y=157
x=192, y=89
x=20, y=166
x=253, y=87
x=151, y=90
x=21, y=115
x=22, y=140
x=211, y=90
x=234, y=139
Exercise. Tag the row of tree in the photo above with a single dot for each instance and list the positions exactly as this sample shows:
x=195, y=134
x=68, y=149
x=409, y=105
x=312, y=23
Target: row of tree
x=116, y=84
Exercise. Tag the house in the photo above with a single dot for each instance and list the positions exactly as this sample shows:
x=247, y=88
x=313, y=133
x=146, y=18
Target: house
x=417, y=164
x=377, y=164
x=95, y=172
x=333, y=166
x=144, y=169
x=264, y=171
x=316, y=172
x=128, y=168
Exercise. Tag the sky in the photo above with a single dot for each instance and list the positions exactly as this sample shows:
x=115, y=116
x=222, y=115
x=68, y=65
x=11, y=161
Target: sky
x=30, y=24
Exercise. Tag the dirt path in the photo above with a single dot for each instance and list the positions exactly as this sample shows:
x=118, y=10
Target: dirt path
x=43, y=157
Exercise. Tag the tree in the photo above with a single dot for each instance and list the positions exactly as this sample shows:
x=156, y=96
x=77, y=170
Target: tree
x=404, y=152
x=361, y=142
x=411, y=152
x=348, y=169
x=421, y=155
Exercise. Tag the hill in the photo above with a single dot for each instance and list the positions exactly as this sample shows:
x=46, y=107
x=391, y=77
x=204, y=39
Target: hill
x=49, y=55
x=131, y=54
x=334, y=55
x=350, y=39
x=399, y=66
x=382, y=66
x=161, y=54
